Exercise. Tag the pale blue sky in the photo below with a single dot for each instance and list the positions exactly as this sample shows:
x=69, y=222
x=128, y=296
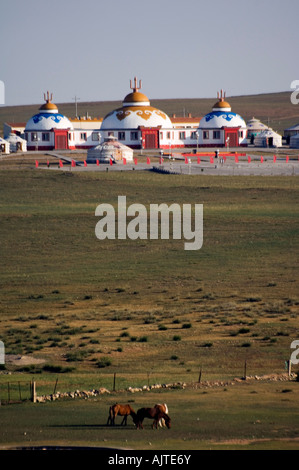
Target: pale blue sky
x=180, y=49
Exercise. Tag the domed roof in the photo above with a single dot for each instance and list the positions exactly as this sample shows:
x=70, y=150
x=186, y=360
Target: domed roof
x=221, y=116
x=136, y=97
x=48, y=105
x=135, y=112
x=256, y=125
x=110, y=148
x=48, y=118
x=221, y=104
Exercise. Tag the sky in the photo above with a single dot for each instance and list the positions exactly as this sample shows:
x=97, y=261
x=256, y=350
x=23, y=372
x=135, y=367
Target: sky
x=91, y=49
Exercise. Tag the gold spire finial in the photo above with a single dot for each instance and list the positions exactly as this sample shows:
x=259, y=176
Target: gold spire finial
x=135, y=88
x=221, y=96
x=47, y=98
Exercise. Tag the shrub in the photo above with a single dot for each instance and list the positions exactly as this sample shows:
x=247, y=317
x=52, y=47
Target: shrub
x=104, y=362
x=57, y=369
x=242, y=331
x=176, y=338
x=143, y=339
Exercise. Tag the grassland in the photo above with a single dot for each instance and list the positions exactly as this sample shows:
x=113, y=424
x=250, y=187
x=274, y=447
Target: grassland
x=148, y=310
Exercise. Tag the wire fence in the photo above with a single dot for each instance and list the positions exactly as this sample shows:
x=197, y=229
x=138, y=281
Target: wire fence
x=15, y=392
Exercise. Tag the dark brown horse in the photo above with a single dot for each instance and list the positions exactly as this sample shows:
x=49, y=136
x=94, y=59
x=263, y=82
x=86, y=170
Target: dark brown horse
x=121, y=410
x=152, y=413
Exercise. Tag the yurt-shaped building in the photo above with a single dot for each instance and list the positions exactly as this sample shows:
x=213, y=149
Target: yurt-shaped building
x=108, y=150
x=290, y=132
x=221, y=127
x=294, y=141
x=137, y=123
x=48, y=129
x=254, y=127
x=268, y=138
x=4, y=146
x=17, y=144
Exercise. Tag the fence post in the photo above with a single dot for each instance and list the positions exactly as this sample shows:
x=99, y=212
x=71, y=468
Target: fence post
x=33, y=392
x=55, y=386
x=114, y=381
x=245, y=369
x=289, y=368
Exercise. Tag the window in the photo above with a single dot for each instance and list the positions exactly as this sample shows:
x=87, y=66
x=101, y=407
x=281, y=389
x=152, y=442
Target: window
x=161, y=135
x=83, y=136
x=134, y=135
x=168, y=135
x=45, y=136
x=240, y=133
x=33, y=136
x=121, y=135
x=205, y=134
x=216, y=135
x=194, y=135
x=110, y=134
x=95, y=136
x=182, y=135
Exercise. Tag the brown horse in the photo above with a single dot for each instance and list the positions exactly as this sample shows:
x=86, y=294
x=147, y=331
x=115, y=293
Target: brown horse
x=121, y=410
x=152, y=413
x=163, y=407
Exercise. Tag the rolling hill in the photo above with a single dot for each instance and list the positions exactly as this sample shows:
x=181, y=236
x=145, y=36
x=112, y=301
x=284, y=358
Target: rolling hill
x=274, y=109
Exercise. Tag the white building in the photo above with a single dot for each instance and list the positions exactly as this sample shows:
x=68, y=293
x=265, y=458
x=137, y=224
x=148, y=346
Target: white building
x=109, y=149
x=222, y=127
x=268, y=138
x=137, y=124
x=48, y=129
x=4, y=146
x=17, y=144
x=254, y=127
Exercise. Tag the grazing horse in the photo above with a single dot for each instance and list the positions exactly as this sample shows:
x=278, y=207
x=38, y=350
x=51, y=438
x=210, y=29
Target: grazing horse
x=163, y=407
x=121, y=410
x=152, y=413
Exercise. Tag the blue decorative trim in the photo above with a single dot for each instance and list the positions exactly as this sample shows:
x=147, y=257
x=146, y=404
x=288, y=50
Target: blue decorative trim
x=228, y=116
x=54, y=117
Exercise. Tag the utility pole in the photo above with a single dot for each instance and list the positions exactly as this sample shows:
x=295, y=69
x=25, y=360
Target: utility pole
x=76, y=98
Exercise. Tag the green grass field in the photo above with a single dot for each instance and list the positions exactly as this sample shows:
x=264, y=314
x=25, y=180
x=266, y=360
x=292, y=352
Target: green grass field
x=149, y=311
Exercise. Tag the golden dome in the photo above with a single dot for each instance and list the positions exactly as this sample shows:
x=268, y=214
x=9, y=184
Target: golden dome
x=48, y=106
x=136, y=97
x=221, y=103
